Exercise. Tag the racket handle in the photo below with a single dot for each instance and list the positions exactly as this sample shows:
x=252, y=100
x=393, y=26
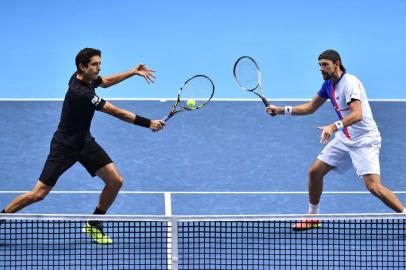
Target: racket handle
x=265, y=101
x=166, y=118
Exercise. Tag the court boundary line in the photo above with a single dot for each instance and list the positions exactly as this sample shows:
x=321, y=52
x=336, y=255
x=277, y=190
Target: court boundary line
x=196, y=192
x=164, y=99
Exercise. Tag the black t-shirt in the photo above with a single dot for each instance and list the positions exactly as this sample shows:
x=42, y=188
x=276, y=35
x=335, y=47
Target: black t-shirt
x=77, y=112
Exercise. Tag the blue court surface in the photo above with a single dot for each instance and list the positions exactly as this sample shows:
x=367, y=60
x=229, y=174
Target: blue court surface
x=228, y=158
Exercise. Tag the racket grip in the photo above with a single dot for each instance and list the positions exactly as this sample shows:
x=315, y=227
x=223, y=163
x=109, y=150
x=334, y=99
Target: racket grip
x=265, y=101
x=166, y=118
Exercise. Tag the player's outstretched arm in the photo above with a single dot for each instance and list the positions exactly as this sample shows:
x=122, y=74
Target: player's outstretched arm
x=130, y=117
x=140, y=70
x=302, y=109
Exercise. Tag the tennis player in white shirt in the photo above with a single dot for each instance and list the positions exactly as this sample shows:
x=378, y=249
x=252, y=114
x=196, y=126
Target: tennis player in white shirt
x=357, y=140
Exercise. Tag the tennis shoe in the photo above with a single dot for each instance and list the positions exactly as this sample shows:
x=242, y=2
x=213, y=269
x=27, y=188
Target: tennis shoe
x=96, y=233
x=307, y=224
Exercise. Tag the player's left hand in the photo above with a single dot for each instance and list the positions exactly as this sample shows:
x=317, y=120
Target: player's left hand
x=146, y=73
x=326, y=133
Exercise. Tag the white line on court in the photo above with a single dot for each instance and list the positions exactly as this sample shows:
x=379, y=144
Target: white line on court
x=168, y=204
x=168, y=213
x=196, y=192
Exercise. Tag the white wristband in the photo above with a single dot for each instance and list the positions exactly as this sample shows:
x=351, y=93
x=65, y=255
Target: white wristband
x=288, y=110
x=339, y=125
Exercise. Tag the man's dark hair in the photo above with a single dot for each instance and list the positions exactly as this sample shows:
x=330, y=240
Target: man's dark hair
x=333, y=56
x=83, y=57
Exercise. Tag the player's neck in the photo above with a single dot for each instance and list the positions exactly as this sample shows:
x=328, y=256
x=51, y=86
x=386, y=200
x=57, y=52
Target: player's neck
x=336, y=76
x=82, y=77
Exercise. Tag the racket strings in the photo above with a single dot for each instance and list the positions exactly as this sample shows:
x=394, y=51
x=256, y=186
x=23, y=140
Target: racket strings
x=200, y=89
x=247, y=74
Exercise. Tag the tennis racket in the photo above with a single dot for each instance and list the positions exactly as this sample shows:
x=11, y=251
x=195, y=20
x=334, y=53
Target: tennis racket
x=199, y=89
x=248, y=76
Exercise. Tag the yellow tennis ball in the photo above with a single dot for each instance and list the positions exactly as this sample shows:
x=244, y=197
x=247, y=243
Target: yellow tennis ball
x=191, y=103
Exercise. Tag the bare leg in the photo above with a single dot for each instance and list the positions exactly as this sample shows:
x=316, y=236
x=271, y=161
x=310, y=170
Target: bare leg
x=113, y=183
x=315, y=183
x=315, y=186
x=374, y=185
x=38, y=193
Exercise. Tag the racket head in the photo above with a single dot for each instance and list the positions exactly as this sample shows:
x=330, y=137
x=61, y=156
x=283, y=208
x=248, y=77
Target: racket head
x=199, y=88
x=247, y=74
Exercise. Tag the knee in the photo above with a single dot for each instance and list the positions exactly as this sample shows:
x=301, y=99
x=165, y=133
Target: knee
x=314, y=173
x=117, y=182
x=120, y=181
x=374, y=188
x=35, y=196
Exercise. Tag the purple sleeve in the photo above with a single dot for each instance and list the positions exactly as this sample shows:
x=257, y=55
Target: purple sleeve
x=323, y=91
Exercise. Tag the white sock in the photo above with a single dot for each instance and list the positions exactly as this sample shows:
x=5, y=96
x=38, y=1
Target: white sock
x=314, y=208
x=404, y=211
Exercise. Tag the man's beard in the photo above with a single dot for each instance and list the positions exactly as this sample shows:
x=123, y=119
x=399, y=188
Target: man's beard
x=327, y=76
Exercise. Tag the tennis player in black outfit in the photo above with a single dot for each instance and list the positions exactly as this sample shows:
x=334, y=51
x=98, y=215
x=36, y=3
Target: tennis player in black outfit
x=73, y=141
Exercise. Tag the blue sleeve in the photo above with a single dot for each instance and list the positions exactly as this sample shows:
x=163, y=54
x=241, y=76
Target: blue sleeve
x=323, y=91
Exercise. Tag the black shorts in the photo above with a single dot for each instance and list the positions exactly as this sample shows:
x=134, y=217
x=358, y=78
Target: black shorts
x=92, y=156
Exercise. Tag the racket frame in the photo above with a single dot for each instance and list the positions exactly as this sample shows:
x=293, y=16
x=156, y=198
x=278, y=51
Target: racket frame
x=259, y=93
x=187, y=108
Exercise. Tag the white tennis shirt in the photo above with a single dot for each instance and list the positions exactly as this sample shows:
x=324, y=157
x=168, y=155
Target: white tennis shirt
x=341, y=93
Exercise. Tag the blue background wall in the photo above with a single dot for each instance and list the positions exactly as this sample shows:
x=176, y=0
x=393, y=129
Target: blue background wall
x=39, y=40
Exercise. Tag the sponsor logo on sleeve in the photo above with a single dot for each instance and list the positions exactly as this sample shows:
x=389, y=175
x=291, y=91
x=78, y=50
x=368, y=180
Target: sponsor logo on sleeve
x=96, y=100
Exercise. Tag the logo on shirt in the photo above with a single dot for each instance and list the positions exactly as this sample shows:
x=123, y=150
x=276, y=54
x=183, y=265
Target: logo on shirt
x=96, y=100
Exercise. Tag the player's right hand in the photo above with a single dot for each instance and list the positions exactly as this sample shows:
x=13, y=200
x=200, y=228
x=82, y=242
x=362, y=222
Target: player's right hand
x=272, y=110
x=157, y=125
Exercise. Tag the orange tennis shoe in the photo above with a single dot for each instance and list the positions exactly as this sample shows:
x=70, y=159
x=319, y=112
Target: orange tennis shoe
x=307, y=224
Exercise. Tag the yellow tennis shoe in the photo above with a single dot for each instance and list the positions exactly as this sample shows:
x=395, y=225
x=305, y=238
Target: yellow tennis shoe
x=96, y=233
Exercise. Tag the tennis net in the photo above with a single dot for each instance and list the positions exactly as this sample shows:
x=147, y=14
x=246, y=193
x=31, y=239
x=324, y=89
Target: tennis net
x=370, y=241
